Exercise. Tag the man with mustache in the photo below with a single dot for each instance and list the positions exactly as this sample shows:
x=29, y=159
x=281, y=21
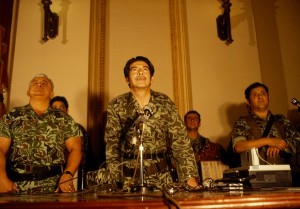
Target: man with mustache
x=151, y=118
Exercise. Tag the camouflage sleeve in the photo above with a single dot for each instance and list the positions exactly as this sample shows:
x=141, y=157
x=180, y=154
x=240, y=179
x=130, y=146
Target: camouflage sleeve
x=181, y=146
x=240, y=131
x=112, y=135
x=4, y=126
x=71, y=128
x=292, y=135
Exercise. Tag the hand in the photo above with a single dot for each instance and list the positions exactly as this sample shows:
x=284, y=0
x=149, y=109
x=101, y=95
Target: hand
x=7, y=186
x=278, y=143
x=192, y=182
x=273, y=152
x=65, y=183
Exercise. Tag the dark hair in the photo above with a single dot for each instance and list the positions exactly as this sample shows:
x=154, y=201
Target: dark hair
x=253, y=86
x=138, y=58
x=192, y=112
x=59, y=99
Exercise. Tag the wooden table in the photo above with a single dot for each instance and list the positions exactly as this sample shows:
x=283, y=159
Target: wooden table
x=254, y=198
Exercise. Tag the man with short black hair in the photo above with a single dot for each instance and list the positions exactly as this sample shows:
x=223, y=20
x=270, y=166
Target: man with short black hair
x=153, y=115
x=274, y=135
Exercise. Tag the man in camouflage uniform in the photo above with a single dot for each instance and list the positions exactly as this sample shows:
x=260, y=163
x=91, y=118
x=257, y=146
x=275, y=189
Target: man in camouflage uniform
x=151, y=117
x=32, y=143
x=192, y=122
x=279, y=146
x=203, y=148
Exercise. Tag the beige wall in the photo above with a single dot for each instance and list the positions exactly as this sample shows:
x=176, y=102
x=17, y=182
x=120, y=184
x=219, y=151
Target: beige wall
x=220, y=72
x=278, y=32
x=265, y=48
x=139, y=27
x=64, y=59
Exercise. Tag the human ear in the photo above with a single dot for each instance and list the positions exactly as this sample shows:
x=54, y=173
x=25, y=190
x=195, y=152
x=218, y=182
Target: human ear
x=248, y=105
x=52, y=94
x=151, y=79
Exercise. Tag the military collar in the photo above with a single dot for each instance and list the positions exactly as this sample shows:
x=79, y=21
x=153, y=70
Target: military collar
x=256, y=117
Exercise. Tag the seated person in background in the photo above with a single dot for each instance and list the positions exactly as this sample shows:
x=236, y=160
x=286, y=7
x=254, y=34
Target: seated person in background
x=275, y=137
x=203, y=148
x=32, y=143
x=162, y=128
x=61, y=103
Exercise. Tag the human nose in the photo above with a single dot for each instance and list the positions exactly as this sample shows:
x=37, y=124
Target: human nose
x=140, y=71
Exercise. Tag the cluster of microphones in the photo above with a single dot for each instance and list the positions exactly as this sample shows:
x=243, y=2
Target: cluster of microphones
x=143, y=117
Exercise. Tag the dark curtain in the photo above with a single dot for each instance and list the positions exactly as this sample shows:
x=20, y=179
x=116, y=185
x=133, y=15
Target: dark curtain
x=6, y=10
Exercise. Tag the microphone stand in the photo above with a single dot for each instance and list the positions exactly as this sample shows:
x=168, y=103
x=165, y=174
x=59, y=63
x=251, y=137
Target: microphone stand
x=142, y=187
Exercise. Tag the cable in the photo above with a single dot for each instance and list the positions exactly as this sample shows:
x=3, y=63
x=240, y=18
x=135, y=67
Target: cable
x=256, y=150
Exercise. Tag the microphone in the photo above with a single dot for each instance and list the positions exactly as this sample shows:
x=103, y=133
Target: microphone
x=142, y=119
x=295, y=102
x=147, y=111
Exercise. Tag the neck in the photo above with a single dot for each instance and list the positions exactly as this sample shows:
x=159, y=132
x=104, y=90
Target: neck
x=142, y=96
x=39, y=106
x=192, y=134
x=262, y=114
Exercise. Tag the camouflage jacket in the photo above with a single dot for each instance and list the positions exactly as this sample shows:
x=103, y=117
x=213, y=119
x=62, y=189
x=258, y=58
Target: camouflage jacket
x=38, y=140
x=163, y=128
x=281, y=128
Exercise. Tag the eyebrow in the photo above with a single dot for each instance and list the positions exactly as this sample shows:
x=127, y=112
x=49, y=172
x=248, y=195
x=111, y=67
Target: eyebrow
x=35, y=80
x=139, y=67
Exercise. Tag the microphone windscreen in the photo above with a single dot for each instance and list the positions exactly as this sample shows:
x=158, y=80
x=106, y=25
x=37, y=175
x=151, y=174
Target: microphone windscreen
x=294, y=101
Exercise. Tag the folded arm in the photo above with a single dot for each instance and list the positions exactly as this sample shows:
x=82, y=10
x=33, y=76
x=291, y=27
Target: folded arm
x=275, y=145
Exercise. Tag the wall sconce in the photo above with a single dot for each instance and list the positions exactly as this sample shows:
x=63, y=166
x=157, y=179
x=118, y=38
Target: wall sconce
x=223, y=23
x=50, y=21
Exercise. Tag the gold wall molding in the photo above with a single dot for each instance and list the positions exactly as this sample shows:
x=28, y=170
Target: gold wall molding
x=97, y=55
x=180, y=56
x=96, y=80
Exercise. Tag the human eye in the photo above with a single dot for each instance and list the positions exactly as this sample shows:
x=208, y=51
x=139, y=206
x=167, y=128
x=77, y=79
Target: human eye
x=254, y=95
x=134, y=69
x=33, y=83
x=146, y=69
x=46, y=83
x=264, y=93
